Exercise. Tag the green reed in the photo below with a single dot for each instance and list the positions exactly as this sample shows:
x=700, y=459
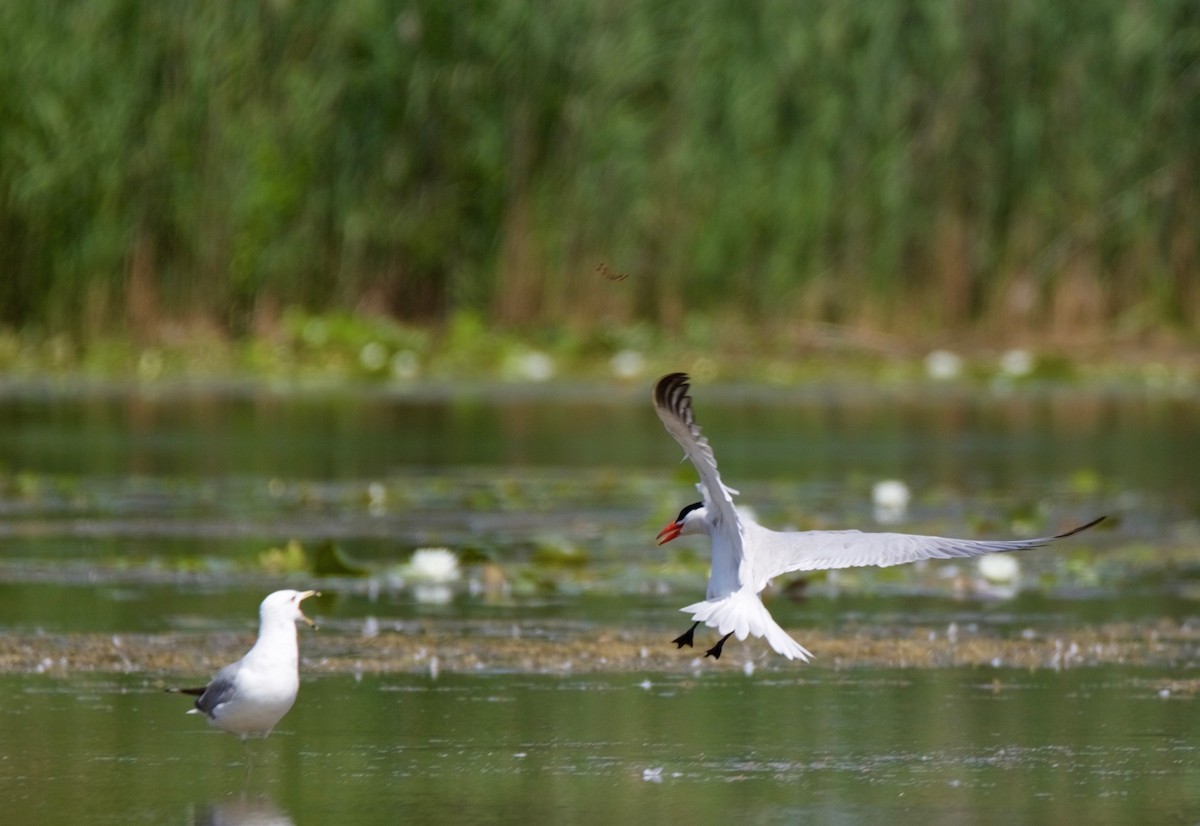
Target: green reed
x=908, y=165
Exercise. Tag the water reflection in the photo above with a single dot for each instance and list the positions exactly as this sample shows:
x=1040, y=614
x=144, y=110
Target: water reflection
x=242, y=811
x=962, y=437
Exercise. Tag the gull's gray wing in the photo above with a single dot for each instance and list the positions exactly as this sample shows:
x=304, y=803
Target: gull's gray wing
x=220, y=690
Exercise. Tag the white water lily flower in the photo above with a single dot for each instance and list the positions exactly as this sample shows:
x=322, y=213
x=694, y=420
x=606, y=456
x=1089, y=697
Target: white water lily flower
x=435, y=593
x=999, y=569
x=406, y=366
x=890, y=498
x=531, y=365
x=1016, y=363
x=373, y=356
x=434, y=565
x=943, y=365
x=890, y=493
x=627, y=364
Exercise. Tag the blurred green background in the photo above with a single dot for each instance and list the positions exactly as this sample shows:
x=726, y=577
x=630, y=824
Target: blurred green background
x=1018, y=170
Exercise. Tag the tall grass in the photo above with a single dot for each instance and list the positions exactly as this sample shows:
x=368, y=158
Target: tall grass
x=905, y=165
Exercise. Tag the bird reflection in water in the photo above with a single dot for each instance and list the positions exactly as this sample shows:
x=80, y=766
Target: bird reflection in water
x=242, y=811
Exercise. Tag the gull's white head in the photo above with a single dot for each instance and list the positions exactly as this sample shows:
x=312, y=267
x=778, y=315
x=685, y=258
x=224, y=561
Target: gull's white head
x=692, y=519
x=285, y=605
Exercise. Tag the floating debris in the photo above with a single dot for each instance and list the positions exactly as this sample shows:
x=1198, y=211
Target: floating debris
x=502, y=647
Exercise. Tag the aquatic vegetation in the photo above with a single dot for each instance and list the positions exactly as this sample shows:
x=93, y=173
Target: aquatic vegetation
x=289, y=559
x=332, y=351
x=1085, y=482
x=558, y=552
x=330, y=560
x=203, y=489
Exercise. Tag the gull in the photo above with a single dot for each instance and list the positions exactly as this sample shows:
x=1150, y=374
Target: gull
x=746, y=556
x=250, y=696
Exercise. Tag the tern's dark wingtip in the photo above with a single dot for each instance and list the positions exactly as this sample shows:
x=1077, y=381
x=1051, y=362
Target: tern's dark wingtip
x=669, y=382
x=668, y=386
x=1082, y=528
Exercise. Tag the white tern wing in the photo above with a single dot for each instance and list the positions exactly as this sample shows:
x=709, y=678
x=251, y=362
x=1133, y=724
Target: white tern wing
x=778, y=553
x=674, y=407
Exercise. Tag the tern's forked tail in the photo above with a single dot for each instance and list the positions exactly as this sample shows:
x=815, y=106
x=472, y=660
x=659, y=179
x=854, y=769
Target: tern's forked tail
x=743, y=614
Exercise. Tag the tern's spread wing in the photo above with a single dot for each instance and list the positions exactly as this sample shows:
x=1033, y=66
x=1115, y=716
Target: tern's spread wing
x=674, y=407
x=821, y=550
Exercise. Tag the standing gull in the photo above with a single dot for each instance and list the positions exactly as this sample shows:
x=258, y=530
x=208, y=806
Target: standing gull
x=746, y=556
x=249, y=697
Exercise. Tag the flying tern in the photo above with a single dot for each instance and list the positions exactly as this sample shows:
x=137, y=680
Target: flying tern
x=746, y=556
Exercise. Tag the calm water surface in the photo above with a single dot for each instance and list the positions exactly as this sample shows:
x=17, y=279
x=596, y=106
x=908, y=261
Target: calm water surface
x=943, y=746
x=162, y=475
x=138, y=511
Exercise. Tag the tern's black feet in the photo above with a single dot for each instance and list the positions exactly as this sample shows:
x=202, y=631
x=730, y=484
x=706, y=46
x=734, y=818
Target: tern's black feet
x=686, y=637
x=715, y=651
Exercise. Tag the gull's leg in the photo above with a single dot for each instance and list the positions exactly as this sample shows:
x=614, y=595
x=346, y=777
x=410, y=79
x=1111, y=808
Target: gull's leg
x=686, y=637
x=247, y=758
x=715, y=651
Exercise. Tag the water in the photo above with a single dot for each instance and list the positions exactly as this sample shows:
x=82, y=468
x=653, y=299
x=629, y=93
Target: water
x=173, y=478
x=940, y=746
x=132, y=512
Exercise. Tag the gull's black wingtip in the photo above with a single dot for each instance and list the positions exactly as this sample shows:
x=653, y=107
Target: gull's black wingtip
x=195, y=692
x=1082, y=528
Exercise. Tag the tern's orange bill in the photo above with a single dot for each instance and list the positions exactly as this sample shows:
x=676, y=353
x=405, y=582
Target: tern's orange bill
x=668, y=533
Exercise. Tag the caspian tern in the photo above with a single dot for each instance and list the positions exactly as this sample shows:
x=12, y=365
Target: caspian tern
x=746, y=556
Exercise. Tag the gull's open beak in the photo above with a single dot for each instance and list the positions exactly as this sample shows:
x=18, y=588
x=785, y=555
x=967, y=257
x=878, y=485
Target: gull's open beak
x=668, y=533
x=303, y=596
